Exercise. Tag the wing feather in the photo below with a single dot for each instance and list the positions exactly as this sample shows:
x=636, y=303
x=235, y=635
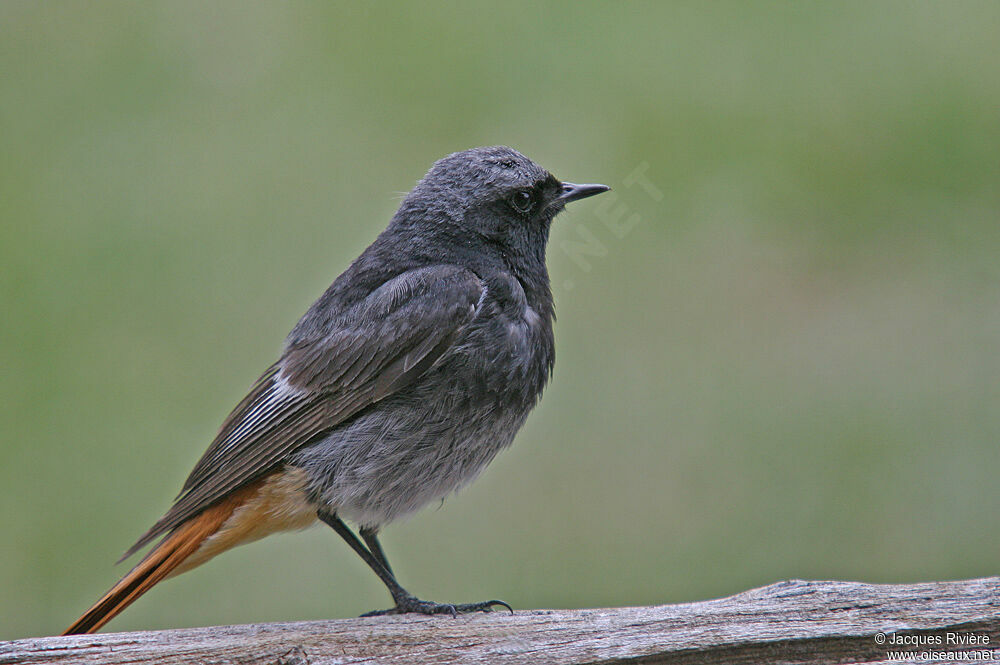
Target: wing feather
x=373, y=349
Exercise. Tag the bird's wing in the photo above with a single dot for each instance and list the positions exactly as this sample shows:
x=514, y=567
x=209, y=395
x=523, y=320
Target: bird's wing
x=363, y=354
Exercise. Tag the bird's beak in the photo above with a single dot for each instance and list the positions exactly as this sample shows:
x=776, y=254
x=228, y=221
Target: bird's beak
x=573, y=192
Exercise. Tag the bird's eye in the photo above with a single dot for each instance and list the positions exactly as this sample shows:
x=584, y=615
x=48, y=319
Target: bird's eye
x=521, y=200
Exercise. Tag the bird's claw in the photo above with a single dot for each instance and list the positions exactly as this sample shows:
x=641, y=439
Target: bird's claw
x=412, y=605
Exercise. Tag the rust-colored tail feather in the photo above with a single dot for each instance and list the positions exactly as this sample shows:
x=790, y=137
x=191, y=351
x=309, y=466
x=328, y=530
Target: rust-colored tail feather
x=159, y=563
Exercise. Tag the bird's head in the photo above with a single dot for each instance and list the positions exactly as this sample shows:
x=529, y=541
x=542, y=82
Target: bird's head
x=493, y=197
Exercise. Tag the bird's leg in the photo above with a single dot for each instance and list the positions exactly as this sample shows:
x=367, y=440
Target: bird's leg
x=405, y=601
x=374, y=562
x=370, y=536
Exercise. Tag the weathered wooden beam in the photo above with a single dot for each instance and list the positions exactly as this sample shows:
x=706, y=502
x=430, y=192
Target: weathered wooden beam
x=788, y=622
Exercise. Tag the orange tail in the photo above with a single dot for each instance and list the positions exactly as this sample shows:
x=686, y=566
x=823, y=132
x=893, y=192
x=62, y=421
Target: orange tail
x=276, y=502
x=159, y=563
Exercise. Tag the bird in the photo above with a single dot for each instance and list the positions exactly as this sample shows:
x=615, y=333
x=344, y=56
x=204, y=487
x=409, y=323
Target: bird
x=395, y=389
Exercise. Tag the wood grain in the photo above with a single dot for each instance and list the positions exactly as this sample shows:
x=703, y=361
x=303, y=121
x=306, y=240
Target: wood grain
x=788, y=622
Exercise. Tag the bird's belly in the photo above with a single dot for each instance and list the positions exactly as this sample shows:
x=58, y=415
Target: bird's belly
x=404, y=454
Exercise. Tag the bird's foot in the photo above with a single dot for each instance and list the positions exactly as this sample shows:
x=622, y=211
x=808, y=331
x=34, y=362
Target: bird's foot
x=412, y=604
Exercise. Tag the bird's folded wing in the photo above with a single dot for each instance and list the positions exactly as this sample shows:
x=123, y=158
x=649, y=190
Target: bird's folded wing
x=361, y=355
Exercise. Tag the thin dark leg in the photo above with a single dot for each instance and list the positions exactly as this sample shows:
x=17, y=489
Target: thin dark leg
x=373, y=562
x=370, y=537
x=405, y=601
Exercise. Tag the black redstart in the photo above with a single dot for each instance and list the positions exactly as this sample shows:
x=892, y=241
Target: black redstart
x=397, y=387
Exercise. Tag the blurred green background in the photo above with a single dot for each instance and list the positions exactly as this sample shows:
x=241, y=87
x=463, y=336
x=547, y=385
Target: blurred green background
x=778, y=353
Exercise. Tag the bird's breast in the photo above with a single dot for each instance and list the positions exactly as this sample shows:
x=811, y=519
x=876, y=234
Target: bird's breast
x=508, y=348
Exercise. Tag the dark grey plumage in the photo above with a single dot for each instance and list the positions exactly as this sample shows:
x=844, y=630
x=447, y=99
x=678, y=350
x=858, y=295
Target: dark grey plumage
x=487, y=279
x=418, y=364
